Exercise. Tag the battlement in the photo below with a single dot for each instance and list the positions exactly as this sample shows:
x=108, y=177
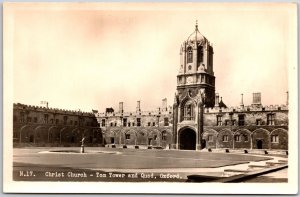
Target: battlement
x=50, y=110
x=157, y=112
x=250, y=108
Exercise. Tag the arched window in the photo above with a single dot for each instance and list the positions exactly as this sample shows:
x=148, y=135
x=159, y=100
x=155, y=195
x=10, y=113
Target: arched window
x=200, y=54
x=188, y=112
x=189, y=55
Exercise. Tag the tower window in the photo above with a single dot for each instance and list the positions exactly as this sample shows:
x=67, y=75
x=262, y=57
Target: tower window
x=190, y=67
x=127, y=136
x=188, y=112
x=200, y=54
x=189, y=55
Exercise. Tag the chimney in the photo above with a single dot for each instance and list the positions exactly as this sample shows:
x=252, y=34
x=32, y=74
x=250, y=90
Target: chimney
x=287, y=98
x=256, y=98
x=164, y=105
x=217, y=100
x=242, y=101
x=121, y=107
x=138, y=106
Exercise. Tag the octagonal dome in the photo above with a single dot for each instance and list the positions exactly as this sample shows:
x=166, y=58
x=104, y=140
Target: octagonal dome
x=197, y=37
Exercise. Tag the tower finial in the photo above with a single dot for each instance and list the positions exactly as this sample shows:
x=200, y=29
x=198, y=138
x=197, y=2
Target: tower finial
x=196, y=26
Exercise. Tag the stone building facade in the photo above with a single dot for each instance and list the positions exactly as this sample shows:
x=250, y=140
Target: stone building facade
x=198, y=118
x=43, y=126
x=148, y=128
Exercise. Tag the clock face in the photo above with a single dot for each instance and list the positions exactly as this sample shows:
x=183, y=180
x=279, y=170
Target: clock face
x=189, y=80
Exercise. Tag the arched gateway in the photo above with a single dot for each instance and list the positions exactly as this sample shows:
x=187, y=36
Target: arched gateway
x=187, y=139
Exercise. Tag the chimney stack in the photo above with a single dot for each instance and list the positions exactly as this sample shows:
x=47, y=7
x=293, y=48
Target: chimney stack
x=217, y=100
x=242, y=101
x=121, y=107
x=164, y=105
x=256, y=98
x=287, y=98
x=138, y=106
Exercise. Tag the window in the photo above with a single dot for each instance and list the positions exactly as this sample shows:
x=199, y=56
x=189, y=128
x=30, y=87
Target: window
x=153, y=124
x=35, y=119
x=124, y=122
x=75, y=123
x=219, y=120
x=111, y=124
x=189, y=55
x=127, y=136
x=65, y=120
x=200, y=54
x=190, y=67
x=56, y=121
x=133, y=124
x=237, y=138
x=271, y=119
x=275, y=139
x=258, y=121
x=29, y=119
x=115, y=124
x=138, y=122
x=210, y=138
x=225, y=138
x=188, y=112
x=164, y=135
x=166, y=121
x=22, y=119
x=227, y=122
x=241, y=120
x=46, y=118
x=245, y=138
x=128, y=124
x=155, y=137
x=71, y=122
x=149, y=124
x=51, y=121
x=102, y=123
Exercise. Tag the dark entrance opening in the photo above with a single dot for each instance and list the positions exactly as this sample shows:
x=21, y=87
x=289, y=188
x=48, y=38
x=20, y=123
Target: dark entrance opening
x=203, y=143
x=112, y=140
x=91, y=139
x=149, y=141
x=259, y=144
x=72, y=139
x=187, y=139
x=31, y=138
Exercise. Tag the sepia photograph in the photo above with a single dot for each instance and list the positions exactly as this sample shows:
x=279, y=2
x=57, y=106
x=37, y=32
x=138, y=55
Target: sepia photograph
x=150, y=98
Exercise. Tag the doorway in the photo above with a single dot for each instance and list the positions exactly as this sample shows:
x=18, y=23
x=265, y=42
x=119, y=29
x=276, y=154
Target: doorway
x=259, y=144
x=187, y=139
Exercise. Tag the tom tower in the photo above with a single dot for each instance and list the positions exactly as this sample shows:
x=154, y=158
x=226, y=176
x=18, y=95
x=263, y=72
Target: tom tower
x=195, y=91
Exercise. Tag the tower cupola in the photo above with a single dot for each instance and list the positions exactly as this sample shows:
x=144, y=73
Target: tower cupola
x=196, y=66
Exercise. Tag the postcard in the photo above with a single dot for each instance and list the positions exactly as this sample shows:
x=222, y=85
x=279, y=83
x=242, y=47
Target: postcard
x=185, y=98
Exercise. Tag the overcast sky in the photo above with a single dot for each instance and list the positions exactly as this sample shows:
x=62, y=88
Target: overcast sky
x=88, y=57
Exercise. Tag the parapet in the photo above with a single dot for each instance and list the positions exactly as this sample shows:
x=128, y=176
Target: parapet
x=250, y=108
x=50, y=110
